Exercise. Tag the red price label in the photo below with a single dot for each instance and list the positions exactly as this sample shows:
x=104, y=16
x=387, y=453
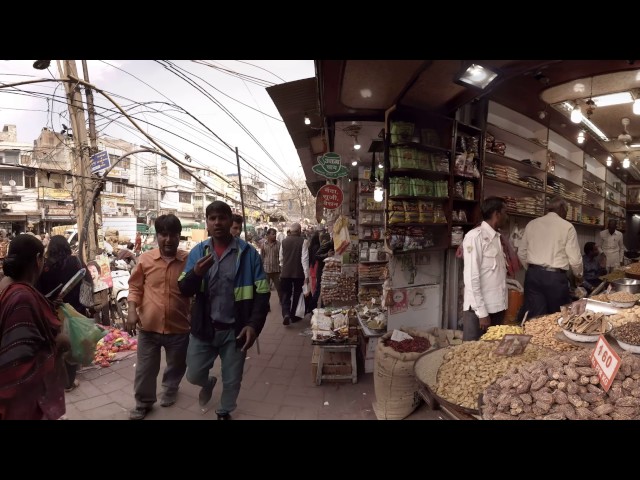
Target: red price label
x=331, y=196
x=606, y=362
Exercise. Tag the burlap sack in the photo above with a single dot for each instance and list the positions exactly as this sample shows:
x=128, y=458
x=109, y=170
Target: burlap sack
x=395, y=386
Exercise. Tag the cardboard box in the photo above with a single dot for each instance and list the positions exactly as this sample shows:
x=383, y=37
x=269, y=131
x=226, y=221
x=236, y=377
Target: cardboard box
x=335, y=363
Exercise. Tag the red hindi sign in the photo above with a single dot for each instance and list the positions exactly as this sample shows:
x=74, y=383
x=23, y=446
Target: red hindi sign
x=331, y=196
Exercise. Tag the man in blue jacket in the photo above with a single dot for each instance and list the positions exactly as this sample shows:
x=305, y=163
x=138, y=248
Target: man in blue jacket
x=229, y=310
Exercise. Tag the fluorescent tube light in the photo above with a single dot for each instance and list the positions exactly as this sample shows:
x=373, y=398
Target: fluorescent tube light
x=613, y=99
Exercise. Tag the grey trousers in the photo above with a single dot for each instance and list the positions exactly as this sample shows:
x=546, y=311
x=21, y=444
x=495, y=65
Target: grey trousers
x=148, y=365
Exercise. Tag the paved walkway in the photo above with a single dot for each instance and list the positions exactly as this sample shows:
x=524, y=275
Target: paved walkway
x=277, y=385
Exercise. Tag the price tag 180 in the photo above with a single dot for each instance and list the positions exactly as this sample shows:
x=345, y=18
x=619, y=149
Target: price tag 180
x=606, y=362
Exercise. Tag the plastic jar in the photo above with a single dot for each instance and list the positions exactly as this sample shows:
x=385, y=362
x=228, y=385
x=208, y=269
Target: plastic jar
x=457, y=235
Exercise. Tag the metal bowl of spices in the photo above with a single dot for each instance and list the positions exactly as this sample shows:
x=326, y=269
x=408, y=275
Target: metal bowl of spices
x=628, y=336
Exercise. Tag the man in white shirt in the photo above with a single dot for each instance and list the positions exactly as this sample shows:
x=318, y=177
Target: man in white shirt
x=548, y=249
x=610, y=242
x=485, y=272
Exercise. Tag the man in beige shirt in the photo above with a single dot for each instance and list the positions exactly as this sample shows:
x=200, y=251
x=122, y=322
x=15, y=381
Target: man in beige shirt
x=549, y=247
x=611, y=243
x=162, y=313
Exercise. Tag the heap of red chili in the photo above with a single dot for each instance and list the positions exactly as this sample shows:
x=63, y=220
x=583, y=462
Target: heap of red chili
x=415, y=345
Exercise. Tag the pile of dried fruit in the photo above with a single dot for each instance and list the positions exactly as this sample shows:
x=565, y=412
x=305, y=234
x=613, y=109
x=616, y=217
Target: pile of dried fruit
x=414, y=345
x=629, y=333
x=115, y=341
x=544, y=331
x=564, y=386
x=496, y=332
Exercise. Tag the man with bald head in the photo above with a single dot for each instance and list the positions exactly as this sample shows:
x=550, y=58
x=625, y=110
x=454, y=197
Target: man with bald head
x=294, y=272
x=548, y=249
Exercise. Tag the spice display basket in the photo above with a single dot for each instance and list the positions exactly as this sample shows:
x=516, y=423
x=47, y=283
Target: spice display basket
x=432, y=361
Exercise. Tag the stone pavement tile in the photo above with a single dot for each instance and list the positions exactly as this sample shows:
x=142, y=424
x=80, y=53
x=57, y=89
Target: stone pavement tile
x=276, y=361
x=256, y=391
x=126, y=363
x=73, y=413
x=295, y=340
x=263, y=359
x=110, y=411
x=258, y=409
x=275, y=395
x=238, y=415
x=290, y=363
x=89, y=373
x=265, y=349
x=93, y=402
x=252, y=372
x=123, y=398
x=277, y=376
x=296, y=413
x=291, y=350
x=300, y=401
x=107, y=375
x=75, y=395
x=88, y=389
x=302, y=376
x=311, y=392
x=173, y=412
x=128, y=372
x=114, y=385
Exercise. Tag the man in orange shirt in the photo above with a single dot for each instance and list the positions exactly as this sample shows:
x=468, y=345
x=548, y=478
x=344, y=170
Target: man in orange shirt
x=161, y=312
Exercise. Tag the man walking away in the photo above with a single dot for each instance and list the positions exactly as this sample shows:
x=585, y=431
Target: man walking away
x=294, y=272
x=549, y=247
x=485, y=272
x=161, y=311
x=230, y=308
x=610, y=241
x=270, y=254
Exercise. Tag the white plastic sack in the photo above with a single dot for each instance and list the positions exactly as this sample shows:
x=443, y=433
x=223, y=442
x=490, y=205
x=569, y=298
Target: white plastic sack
x=300, y=309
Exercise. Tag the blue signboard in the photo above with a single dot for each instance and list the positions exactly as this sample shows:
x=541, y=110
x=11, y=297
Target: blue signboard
x=100, y=161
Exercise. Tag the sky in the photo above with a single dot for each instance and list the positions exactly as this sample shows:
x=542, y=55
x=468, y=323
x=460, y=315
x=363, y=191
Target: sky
x=132, y=81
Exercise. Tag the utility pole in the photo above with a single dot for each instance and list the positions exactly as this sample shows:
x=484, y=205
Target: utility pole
x=97, y=211
x=82, y=161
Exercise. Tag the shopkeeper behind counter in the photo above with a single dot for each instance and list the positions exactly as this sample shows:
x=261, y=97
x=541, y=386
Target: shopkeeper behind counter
x=485, y=272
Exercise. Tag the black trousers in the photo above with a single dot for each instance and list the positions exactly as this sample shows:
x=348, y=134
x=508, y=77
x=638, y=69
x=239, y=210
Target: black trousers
x=545, y=292
x=291, y=291
x=471, y=324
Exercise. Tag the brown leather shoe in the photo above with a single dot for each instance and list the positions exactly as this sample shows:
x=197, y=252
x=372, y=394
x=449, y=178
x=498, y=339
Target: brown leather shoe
x=287, y=320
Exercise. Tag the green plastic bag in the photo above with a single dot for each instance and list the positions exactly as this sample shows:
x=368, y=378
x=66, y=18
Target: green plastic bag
x=83, y=334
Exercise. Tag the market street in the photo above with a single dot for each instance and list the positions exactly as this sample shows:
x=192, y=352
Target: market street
x=277, y=385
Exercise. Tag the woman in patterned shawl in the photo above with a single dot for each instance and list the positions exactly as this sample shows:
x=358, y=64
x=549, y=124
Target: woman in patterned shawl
x=31, y=369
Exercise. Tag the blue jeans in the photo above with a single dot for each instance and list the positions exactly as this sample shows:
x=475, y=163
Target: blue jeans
x=148, y=365
x=201, y=355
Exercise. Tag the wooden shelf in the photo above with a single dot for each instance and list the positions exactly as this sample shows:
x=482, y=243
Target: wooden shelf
x=418, y=224
x=565, y=162
x=517, y=214
x=417, y=172
x=564, y=180
x=591, y=225
x=470, y=129
x=466, y=177
x=593, y=208
x=371, y=224
x=463, y=224
x=514, y=185
x=595, y=194
x=419, y=250
x=458, y=199
x=420, y=146
x=502, y=135
x=379, y=210
x=417, y=197
x=376, y=261
x=593, y=177
x=379, y=282
x=497, y=159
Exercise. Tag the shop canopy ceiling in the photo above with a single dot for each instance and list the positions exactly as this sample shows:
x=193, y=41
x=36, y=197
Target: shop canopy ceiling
x=362, y=90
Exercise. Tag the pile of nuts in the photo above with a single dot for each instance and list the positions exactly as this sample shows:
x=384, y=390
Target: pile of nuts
x=564, y=386
x=469, y=368
x=622, y=297
x=544, y=331
x=496, y=332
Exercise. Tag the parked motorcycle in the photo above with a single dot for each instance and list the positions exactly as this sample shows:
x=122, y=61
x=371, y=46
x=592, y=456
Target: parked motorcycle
x=120, y=290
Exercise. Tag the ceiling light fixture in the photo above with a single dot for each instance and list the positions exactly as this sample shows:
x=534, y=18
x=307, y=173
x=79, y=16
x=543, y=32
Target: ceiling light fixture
x=354, y=162
x=581, y=137
x=613, y=99
x=576, y=114
x=380, y=165
x=356, y=144
x=307, y=120
x=609, y=161
x=636, y=106
x=476, y=75
x=626, y=162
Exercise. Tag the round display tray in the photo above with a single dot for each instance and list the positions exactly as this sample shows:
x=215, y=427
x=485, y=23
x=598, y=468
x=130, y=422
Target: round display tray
x=427, y=378
x=582, y=337
x=632, y=275
x=624, y=345
x=622, y=304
